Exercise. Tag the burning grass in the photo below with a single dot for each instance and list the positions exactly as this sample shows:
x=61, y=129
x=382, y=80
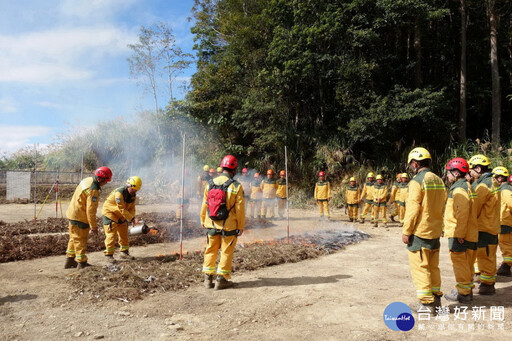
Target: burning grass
x=128, y=281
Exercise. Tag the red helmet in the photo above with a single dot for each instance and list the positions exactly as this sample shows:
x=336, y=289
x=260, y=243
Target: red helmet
x=282, y=172
x=321, y=173
x=510, y=178
x=270, y=172
x=244, y=170
x=229, y=162
x=104, y=172
x=459, y=164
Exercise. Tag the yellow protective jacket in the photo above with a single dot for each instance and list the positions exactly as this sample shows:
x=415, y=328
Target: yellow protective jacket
x=119, y=206
x=323, y=190
x=487, y=204
x=425, y=206
x=281, y=188
x=460, y=212
x=395, y=189
x=235, y=203
x=404, y=190
x=506, y=208
x=367, y=192
x=352, y=195
x=256, y=193
x=84, y=203
x=269, y=188
x=380, y=193
x=245, y=181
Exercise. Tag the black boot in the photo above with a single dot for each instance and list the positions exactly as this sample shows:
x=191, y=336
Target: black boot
x=486, y=289
x=70, y=263
x=504, y=270
x=222, y=283
x=456, y=297
x=208, y=281
x=83, y=265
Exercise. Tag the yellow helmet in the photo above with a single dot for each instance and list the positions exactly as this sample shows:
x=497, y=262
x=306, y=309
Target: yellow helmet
x=219, y=169
x=418, y=154
x=370, y=175
x=379, y=177
x=135, y=182
x=352, y=179
x=206, y=168
x=500, y=171
x=479, y=160
x=405, y=175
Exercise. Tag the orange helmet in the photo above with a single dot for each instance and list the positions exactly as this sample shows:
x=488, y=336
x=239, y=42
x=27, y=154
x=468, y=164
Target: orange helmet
x=321, y=173
x=270, y=172
x=282, y=173
x=211, y=171
x=256, y=175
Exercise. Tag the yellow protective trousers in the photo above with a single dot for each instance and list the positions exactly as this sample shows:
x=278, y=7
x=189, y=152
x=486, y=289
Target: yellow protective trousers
x=77, y=245
x=505, y=242
x=115, y=231
x=368, y=207
x=353, y=210
x=227, y=247
x=281, y=206
x=255, y=208
x=463, y=268
x=395, y=209
x=486, y=260
x=268, y=204
x=425, y=274
x=380, y=211
x=323, y=208
x=401, y=212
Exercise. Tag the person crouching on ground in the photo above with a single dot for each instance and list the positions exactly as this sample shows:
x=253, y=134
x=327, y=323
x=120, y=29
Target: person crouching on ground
x=118, y=211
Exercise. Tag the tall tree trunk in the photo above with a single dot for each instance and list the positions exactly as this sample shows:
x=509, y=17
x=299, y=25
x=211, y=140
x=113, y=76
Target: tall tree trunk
x=496, y=92
x=417, y=49
x=464, y=17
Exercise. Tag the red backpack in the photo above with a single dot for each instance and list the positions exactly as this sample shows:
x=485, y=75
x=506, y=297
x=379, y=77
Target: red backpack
x=216, y=200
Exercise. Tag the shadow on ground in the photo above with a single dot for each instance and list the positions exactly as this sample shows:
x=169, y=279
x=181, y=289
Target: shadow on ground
x=293, y=281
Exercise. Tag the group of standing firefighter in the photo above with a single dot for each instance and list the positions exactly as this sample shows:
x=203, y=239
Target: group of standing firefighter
x=118, y=211
x=473, y=214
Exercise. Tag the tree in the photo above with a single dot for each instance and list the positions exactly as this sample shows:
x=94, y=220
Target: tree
x=496, y=89
x=464, y=18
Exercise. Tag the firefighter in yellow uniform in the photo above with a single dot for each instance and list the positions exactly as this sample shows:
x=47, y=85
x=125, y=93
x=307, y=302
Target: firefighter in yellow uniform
x=246, y=182
x=488, y=217
x=118, y=211
x=81, y=214
x=281, y=194
x=402, y=196
x=202, y=180
x=461, y=229
x=256, y=196
x=394, y=195
x=367, y=196
x=223, y=234
x=422, y=229
x=323, y=195
x=269, y=189
x=185, y=192
x=505, y=237
x=352, y=198
x=380, y=196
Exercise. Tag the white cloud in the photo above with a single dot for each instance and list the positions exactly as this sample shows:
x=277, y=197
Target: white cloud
x=15, y=137
x=7, y=106
x=94, y=8
x=59, y=54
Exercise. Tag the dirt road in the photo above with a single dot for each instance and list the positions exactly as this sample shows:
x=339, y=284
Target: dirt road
x=336, y=297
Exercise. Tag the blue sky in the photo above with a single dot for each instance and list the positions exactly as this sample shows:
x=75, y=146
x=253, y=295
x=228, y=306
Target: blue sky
x=63, y=64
